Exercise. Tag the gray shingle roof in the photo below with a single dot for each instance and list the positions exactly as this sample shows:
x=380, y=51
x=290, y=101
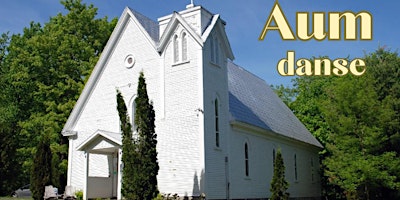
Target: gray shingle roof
x=253, y=102
x=148, y=24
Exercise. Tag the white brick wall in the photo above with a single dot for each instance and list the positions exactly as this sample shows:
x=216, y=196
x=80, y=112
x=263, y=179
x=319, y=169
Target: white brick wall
x=100, y=111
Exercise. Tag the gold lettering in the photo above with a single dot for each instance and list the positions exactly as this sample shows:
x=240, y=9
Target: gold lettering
x=318, y=64
x=304, y=67
x=350, y=25
x=357, y=63
x=340, y=67
x=286, y=66
x=281, y=24
x=318, y=28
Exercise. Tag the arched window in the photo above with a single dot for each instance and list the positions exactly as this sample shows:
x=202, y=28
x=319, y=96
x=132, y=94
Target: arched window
x=295, y=167
x=216, y=122
x=176, y=49
x=184, y=47
x=246, y=158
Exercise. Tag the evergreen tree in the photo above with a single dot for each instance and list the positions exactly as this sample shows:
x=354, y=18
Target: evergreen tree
x=146, y=144
x=278, y=184
x=128, y=150
x=41, y=174
x=139, y=154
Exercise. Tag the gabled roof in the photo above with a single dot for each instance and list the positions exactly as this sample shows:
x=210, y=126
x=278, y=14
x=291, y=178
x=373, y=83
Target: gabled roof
x=148, y=24
x=253, y=102
x=218, y=23
x=115, y=138
x=150, y=30
x=174, y=21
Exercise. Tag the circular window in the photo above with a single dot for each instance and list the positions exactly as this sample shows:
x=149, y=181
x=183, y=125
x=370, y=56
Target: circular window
x=129, y=61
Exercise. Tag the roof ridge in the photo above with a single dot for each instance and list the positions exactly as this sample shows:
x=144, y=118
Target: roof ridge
x=140, y=14
x=150, y=26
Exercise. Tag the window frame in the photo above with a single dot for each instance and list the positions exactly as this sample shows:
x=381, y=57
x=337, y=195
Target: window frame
x=184, y=45
x=217, y=123
x=176, y=48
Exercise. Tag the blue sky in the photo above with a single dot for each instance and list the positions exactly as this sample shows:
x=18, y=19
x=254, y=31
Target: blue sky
x=245, y=20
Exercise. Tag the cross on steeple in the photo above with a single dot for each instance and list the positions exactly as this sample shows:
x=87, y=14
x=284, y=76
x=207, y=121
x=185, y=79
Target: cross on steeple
x=191, y=5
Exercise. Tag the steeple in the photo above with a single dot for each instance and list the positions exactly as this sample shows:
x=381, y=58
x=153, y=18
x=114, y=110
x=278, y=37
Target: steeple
x=196, y=16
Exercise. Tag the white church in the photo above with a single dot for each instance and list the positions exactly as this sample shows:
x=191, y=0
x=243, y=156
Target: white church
x=218, y=126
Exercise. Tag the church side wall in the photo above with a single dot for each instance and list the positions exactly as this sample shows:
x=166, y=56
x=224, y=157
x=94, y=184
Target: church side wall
x=261, y=148
x=215, y=87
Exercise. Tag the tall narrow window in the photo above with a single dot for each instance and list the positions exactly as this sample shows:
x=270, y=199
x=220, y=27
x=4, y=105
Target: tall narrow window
x=176, y=49
x=246, y=158
x=295, y=167
x=212, y=49
x=312, y=169
x=216, y=123
x=273, y=157
x=184, y=47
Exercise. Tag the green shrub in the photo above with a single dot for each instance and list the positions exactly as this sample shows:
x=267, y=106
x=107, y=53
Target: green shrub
x=158, y=197
x=79, y=195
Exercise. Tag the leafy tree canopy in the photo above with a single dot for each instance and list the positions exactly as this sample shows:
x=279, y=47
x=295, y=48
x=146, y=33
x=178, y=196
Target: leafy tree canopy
x=43, y=71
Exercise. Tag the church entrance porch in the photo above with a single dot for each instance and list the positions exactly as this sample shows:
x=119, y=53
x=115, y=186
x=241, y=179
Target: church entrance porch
x=102, y=168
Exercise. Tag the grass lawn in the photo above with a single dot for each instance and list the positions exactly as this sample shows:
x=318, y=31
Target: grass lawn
x=12, y=198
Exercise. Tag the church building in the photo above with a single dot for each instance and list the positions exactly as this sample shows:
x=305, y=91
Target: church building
x=218, y=125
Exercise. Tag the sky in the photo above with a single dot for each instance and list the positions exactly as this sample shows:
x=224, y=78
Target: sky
x=244, y=23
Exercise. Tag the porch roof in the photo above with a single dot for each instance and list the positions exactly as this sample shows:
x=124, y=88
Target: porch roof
x=101, y=141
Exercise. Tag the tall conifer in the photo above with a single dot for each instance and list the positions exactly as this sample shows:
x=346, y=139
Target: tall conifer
x=128, y=149
x=278, y=184
x=139, y=154
x=147, y=142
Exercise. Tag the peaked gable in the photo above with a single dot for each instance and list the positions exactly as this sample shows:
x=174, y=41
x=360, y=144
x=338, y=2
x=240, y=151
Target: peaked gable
x=252, y=101
x=177, y=19
x=146, y=27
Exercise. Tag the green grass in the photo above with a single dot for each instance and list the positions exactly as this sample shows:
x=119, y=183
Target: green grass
x=12, y=198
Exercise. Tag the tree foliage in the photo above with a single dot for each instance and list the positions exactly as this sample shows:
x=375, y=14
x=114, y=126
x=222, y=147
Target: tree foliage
x=146, y=144
x=287, y=94
x=129, y=153
x=43, y=71
x=278, y=184
x=357, y=119
x=139, y=153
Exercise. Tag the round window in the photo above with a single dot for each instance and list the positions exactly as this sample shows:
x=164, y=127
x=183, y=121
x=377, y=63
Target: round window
x=129, y=61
